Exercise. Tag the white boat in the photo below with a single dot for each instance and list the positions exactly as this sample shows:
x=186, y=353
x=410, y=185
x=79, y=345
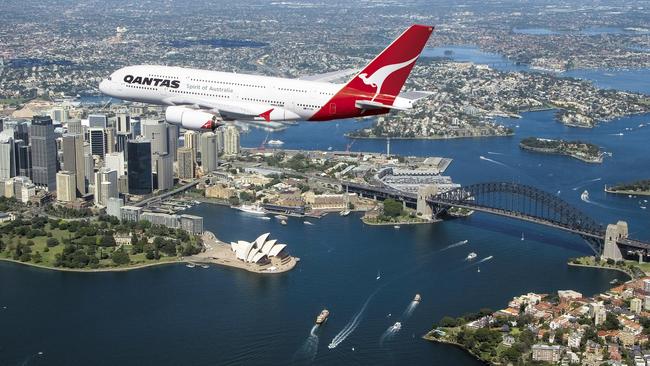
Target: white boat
x=251, y=209
x=283, y=222
x=397, y=326
x=281, y=217
x=307, y=223
x=190, y=265
x=275, y=142
x=396, y=227
x=478, y=270
x=585, y=196
x=471, y=256
x=344, y=213
x=417, y=298
x=522, y=236
x=378, y=275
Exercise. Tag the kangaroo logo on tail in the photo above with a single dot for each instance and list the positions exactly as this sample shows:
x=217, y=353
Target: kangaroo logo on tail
x=379, y=76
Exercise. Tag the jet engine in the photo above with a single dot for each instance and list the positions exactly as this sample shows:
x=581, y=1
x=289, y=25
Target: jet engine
x=191, y=119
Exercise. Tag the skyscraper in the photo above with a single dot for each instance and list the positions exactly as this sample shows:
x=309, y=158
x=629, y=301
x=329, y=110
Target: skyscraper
x=25, y=160
x=191, y=141
x=120, y=141
x=135, y=128
x=89, y=167
x=110, y=139
x=138, y=157
x=172, y=140
x=208, y=152
x=156, y=132
x=66, y=186
x=97, y=121
x=43, y=152
x=185, y=163
x=73, y=161
x=105, y=186
x=219, y=133
x=97, y=138
x=164, y=171
x=75, y=127
x=231, y=141
x=7, y=157
x=123, y=122
x=115, y=161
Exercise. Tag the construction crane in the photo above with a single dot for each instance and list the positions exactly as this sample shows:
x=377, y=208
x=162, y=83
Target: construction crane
x=348, y=146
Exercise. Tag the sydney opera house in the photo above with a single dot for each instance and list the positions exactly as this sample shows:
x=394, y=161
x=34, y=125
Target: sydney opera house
x=259, y=251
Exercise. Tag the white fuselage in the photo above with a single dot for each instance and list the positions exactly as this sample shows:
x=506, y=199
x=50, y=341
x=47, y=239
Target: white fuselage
x=290, y=99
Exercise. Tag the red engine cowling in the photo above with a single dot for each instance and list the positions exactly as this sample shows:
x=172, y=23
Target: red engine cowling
x=191, y=119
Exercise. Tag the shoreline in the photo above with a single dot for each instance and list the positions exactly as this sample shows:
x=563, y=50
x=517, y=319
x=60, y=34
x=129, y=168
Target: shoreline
x=598, y=160
x=422, y=138
x=94, y=270
x=427, y=337
x=601, y=267
x=626, y=193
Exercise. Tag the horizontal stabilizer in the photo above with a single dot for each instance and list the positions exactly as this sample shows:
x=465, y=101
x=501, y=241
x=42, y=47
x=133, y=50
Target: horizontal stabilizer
x=369, y=105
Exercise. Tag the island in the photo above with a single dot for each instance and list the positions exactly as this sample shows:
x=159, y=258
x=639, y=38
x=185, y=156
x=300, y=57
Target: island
x=580, y=150
x=640, y=187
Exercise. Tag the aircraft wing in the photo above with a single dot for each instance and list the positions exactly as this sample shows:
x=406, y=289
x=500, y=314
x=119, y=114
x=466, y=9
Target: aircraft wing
x=227, y=111
x=329, y=77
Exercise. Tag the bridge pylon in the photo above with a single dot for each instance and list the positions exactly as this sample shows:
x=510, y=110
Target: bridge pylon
x=613, y=234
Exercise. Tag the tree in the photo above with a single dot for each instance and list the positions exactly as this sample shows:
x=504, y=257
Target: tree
x=392, y=208
x=52, y=242
x=107, y=241
x=120, y=257
x=448, y=322
x=611, y=322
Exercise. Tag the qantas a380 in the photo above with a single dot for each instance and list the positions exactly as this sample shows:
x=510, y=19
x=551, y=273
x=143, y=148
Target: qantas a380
x=203, y=99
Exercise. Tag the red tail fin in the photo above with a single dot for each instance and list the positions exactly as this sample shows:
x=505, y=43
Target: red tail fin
x=382, y=79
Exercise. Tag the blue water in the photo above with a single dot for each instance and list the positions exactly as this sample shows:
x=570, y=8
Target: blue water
x=634, y=80
x=475, y=55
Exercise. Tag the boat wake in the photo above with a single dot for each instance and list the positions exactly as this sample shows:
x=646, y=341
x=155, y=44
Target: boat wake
x=462, y=242
x=495, y=153
x=409, y=310
x=493, y=161
x=352, y=324
x=307, y=352
x=484, y=259
x=389, y=333
x=580, y=185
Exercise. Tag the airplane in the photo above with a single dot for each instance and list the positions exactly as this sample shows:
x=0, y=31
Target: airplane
x=204, y=99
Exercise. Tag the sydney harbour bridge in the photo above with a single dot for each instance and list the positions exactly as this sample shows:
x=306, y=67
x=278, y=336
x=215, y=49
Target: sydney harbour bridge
x=517, y=201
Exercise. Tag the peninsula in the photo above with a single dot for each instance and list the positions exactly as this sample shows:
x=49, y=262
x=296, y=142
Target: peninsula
x=640, y=187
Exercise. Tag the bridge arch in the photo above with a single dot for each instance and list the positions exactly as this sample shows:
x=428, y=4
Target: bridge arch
x=523, y=202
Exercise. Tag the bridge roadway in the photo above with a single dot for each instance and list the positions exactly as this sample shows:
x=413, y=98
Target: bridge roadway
x=409, y=199
x=178, y=190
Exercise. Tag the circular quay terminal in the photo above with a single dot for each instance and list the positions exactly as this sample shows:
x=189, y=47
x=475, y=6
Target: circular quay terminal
x=385, y=182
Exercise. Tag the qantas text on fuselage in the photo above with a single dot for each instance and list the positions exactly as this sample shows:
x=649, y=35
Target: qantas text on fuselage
x=202, y=99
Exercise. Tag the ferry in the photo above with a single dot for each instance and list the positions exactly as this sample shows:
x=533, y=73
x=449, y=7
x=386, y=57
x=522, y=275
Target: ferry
x=397, y=326
x=585, y=196
x=322, y=317
x=275, y=142
x=471, y=256
x=190, y=265
x=417, y=298
x=251, y=209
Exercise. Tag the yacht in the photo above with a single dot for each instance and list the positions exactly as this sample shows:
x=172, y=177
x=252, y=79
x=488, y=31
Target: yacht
x=397, y=326
x=471, y=256
x=283, y=222
x=308, y=223
x=344, y=213
x=275, y=142
x=396, y=227
x=322, y=317
x=251, y=209
x=190, y=265
x=417, y=298
x=585, y=196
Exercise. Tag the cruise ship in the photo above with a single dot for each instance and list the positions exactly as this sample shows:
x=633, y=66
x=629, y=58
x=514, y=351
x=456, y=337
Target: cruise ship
x=251, y=209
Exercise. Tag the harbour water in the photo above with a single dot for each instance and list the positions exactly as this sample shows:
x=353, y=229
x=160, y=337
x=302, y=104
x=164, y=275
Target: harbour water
x=172, y=315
